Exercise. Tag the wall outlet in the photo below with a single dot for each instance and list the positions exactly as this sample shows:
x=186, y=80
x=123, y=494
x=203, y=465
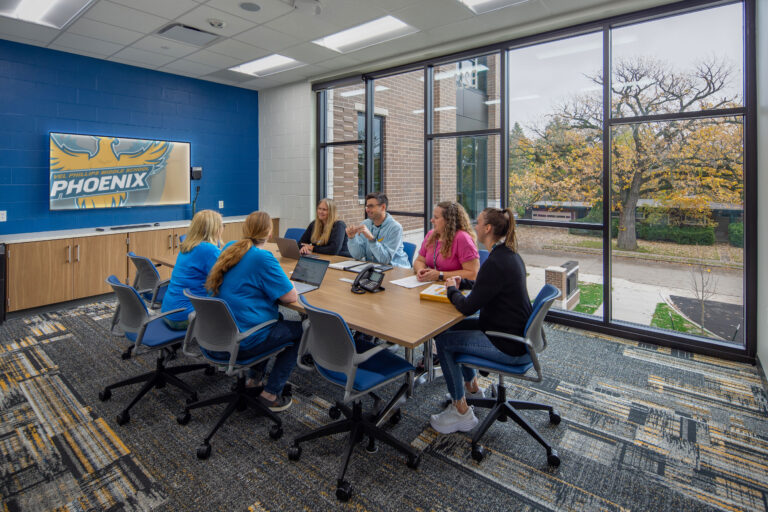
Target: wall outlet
x=221, y=204
x=3, y=215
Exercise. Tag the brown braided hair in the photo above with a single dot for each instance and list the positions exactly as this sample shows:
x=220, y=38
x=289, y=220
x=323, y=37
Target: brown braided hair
x=256, y=230
x=456, y=219
x=503, y=224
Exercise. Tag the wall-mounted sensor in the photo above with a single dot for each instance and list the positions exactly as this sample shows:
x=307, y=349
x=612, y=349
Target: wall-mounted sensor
x=196, y=172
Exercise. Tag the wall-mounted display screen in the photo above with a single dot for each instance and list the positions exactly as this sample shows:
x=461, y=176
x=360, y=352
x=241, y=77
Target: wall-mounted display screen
x=90, y=171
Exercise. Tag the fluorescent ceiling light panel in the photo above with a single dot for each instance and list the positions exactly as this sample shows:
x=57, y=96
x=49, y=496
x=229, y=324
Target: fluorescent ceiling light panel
x=358, y=92
x=365, y=35
x=268, y=65
x=50, y=13
x=483, y=6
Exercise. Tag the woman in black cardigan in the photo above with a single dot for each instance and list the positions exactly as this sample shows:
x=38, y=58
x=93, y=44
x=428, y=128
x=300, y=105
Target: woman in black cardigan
x=501, y=295
x=326, y=234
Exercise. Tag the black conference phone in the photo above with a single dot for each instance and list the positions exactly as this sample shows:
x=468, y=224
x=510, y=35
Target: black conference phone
x=368, y=280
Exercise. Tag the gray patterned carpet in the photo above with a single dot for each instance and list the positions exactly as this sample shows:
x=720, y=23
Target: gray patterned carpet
x=644, y=428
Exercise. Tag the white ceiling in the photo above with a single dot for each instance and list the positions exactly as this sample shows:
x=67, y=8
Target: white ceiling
x=125, y=31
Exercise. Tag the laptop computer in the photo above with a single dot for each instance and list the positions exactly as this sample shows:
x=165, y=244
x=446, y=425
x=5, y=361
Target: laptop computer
x=289, y=248
x=308, y=274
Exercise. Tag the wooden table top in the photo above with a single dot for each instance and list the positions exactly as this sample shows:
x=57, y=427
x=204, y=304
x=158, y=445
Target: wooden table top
x=395, y=314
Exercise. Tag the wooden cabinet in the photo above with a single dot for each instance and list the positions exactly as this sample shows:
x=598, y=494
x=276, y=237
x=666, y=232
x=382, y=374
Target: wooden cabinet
x=158, y=243
x=53, y=271
x=232, y=231
x=94, y=259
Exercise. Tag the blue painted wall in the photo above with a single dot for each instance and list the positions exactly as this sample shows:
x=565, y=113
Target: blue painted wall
x=44, y=91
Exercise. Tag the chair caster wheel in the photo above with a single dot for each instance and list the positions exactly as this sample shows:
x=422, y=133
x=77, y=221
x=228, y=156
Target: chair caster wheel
x=183, y=418
x=203, y=451
x=192, y=398
x=275, y=432
x=294, y=452
x=413, y=461
x=334, y=412
x=478, y=453
x=105, y=395
x=123, y=418
x=553, y=459
x=210, y=370
x=344, y=491
x=396, y=417
x=125, y=356
x=554, y=418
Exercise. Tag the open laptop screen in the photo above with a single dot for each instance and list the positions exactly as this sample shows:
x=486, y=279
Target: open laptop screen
x=310, y=271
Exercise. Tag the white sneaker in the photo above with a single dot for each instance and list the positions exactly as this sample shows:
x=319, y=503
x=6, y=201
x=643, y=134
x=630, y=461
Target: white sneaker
x=480, y=393
x=450, y=420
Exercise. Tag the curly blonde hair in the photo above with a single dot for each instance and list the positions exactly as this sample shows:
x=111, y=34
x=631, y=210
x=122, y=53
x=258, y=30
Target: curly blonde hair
x=456, y=219
x=256, y=230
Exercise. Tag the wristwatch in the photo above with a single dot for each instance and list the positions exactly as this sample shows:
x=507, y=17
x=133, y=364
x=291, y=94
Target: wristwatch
x=442, y=276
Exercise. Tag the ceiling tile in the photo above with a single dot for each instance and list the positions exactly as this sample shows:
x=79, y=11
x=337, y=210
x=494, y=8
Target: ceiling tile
x=238, y=50
x=30, y=31
x=122, y=16
x=407, y=44
x=85, y=53
x=270, y=9
x=341, y=62
x=265, y=37
x=346, y=13
x=309, y=53
x=260, y=83
x=387, y=5
x=166, y=9
x=199, y=17
x=427, y=14
x=142, y=57
x=22, y=40
x=99, y=30
x=303, y=26
x=88, y=44
x=188, y=68
x=164, y=46
x=216, y=60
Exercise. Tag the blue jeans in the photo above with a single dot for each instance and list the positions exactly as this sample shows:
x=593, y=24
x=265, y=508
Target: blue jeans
x=283, y=331
x=466, y=338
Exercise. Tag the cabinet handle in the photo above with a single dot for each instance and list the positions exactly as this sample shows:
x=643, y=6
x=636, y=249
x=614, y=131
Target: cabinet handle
x=77, y=253
x=69, y=254
x=175, y=241
x=170, y=242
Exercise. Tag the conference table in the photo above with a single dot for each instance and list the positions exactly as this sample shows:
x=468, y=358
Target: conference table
x=396, y=314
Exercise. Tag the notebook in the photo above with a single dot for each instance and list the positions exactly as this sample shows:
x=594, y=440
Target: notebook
x=308, y=274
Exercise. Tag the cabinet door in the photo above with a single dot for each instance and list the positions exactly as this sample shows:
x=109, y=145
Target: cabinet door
x=232, y=231
x=177, y=232
x=157, y=243
x=95, y=258
x=39, y=273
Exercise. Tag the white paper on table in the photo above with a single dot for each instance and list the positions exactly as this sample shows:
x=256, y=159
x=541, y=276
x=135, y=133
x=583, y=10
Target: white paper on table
x=410, y=282
x=342, y=265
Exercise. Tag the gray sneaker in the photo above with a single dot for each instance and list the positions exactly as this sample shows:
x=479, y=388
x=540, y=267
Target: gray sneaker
x=280, y=403
x=450, y=420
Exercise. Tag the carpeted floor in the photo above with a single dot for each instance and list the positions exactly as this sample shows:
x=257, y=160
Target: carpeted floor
x=644, y=428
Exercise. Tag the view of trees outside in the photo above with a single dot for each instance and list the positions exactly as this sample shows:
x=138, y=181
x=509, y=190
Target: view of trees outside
x=677, y=184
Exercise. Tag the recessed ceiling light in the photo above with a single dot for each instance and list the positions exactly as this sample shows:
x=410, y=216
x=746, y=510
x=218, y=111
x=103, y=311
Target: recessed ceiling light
x=268, y=65
x=213, y=22
x=483, y=6
x=56, y=13
x=250, y=6
x=368, y=34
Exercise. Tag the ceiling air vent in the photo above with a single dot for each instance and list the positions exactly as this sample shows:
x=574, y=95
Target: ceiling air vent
x=187, y=35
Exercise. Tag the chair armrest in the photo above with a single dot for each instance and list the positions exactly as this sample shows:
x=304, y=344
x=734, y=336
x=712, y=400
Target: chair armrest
x=151, y=318
x=155, y=316
x=243, y=335
x=156, y=291
x=358, y=359
x=188, y=337
x=510, y=337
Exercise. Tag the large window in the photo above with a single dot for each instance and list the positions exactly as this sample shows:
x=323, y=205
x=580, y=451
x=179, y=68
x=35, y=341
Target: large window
x=623, y=147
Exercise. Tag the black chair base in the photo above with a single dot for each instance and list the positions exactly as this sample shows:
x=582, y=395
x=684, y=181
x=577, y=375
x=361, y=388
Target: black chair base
x=240, y=398
x=158, y=378
x=501, y=409
x=358, y=425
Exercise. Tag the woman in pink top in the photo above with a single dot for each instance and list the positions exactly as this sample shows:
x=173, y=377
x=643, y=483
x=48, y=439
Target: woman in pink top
x=450, y=249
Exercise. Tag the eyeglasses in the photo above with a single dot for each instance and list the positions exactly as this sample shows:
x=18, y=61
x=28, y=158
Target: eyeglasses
x=372, y=205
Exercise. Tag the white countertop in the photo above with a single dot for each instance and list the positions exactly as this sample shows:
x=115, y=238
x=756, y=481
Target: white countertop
x=72, y=233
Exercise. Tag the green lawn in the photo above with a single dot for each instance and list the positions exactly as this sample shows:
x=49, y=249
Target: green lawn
x=667, y=318
x=591, y=297
x=598, y=244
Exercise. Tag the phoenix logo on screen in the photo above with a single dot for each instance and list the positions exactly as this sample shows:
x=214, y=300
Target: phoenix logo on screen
x=101, y=172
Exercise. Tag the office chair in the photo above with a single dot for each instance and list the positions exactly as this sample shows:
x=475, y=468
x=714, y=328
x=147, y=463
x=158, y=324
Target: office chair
x=483, y=256
x=147, y=281
x=501, y=408
x=294, y=233
x=147, y=331
x=410, y=250
x=182, y=238
x=214, y=329
x=330, y=343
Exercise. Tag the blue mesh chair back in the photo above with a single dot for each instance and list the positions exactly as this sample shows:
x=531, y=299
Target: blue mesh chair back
x=294, y=233
x=410, y=251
